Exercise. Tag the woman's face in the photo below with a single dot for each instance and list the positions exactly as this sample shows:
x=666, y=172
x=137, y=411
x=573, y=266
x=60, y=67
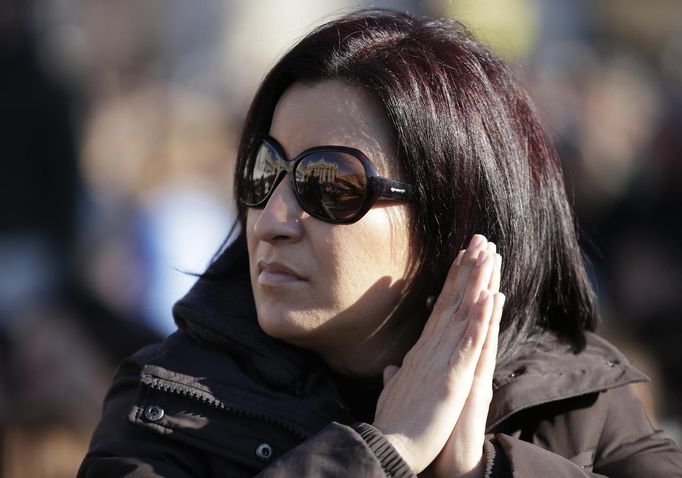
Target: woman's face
x=325, y=287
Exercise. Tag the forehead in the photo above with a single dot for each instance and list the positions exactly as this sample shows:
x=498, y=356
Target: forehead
x=334, y=113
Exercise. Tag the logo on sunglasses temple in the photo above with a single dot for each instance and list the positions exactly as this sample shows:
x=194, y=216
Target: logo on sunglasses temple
x=397, y=190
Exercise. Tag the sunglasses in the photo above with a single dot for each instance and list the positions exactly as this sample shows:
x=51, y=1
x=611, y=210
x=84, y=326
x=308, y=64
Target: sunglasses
x=336, y=184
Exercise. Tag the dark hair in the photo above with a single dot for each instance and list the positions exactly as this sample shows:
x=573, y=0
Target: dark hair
x=470, y=143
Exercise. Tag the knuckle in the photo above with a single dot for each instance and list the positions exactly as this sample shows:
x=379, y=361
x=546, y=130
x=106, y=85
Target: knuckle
x=445, y=389
x=448, y=299
x=462, y=352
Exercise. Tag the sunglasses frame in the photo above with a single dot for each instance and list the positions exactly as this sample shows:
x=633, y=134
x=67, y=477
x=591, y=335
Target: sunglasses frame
x=378, y=189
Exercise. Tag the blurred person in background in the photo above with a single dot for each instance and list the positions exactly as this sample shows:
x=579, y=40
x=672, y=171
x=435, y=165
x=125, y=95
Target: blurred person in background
x=58, y=341
x=39, y=188
x=609, y=80
x=350, y=330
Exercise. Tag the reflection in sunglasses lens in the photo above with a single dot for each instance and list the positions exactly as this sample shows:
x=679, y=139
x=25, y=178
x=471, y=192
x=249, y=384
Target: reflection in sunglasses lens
x=263, y=174
x=332, y=183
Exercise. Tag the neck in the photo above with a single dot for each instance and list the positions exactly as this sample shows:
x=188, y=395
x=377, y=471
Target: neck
x=369, y=358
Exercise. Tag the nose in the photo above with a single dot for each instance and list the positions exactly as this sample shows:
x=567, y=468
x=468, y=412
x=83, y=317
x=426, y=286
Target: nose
x=280, y=219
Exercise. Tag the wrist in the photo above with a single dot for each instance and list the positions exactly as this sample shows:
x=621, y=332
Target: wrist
x=397, y=441
x=450, y=464
x=389, y=451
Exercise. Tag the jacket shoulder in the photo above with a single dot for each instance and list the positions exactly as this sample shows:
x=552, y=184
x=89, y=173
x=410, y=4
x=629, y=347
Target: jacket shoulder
x=576, y=413
x=604, y=432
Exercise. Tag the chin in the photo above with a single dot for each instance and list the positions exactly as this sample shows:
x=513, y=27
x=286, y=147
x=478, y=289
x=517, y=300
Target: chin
x=286, y=326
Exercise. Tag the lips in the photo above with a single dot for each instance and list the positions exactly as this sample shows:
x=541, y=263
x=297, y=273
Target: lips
x=276, y=273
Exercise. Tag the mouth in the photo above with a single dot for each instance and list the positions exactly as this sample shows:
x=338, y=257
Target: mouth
x=275, y=273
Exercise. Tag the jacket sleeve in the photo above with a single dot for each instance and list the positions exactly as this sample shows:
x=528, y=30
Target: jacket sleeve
x=338, y=450
x=629, y=447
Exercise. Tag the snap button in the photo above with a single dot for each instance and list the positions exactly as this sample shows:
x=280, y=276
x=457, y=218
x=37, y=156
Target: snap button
x=153, y=413
x=515, y=373
x=264, y=452
x=611, y=363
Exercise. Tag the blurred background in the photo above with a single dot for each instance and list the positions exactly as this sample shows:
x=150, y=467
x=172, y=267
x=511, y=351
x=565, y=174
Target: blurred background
x=118, y=127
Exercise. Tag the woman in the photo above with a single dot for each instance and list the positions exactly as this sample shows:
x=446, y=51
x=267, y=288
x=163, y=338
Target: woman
x=356, y=326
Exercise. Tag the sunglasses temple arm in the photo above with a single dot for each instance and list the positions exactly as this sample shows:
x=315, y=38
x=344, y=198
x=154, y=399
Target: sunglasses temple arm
x=389, y=189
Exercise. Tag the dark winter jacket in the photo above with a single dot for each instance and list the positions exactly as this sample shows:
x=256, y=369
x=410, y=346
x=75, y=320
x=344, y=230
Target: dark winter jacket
x=221, y=398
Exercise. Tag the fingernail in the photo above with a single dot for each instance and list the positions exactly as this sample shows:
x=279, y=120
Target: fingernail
x=476, y=241
x=492, y=248
x=502, y=298
x=482, y=257
x=458, y=259
x=483, y=296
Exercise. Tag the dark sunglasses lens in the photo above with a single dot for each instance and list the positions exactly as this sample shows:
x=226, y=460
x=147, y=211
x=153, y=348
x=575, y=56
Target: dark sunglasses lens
x=260, y=175
x=332, y=184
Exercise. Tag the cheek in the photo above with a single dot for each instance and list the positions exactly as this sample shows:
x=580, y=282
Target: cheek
x=388, y=240
x=375, y=248
x=251, y=217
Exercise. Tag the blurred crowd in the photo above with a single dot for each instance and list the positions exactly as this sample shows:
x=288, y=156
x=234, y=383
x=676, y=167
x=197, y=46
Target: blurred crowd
x=118, y=126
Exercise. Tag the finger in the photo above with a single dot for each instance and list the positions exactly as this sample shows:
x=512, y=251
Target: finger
x=492, y=250
x=494, y=285
x=437, y=315
x=463, y=449
x=486, y=363
x=458, y=259
x=468, y=347
x=389, y=372
x=458, y=278
x=454, y=321
x=480, y=277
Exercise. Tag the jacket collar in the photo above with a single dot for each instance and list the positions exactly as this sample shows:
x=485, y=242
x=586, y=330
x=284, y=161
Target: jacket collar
x=548, y=370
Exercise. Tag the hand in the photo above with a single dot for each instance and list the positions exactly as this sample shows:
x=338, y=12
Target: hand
x=417, y=419
x=462, y=455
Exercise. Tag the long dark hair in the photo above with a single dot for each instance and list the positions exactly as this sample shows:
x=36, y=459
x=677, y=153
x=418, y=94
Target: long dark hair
x=470, y=143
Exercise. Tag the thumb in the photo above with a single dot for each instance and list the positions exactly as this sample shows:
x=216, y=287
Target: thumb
x=389, y=372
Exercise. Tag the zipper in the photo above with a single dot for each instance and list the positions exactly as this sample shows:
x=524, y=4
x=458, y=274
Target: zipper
x=208, y=399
